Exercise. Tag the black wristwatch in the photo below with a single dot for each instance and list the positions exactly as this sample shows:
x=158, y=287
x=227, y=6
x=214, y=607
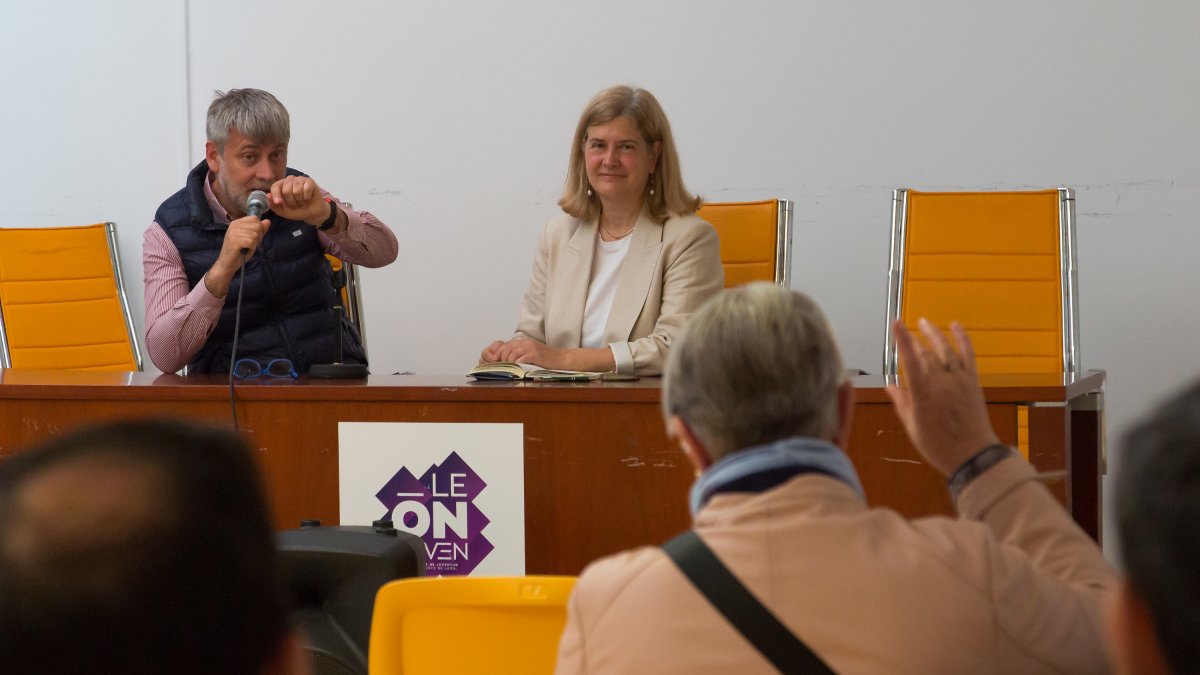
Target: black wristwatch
x=331, y=220
x=972, y=468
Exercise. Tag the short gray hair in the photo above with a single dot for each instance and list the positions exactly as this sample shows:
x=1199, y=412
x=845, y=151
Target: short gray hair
x=755, y=365
x=256, y=114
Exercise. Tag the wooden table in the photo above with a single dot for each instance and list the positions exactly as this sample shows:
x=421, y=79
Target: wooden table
x=600, y=474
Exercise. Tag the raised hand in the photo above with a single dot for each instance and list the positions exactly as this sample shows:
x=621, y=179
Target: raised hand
x=940, y=402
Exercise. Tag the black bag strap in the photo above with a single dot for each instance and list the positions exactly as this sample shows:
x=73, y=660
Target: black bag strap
x=714, y=580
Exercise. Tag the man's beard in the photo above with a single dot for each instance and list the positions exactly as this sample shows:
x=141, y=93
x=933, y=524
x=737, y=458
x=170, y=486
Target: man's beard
x=236, y=196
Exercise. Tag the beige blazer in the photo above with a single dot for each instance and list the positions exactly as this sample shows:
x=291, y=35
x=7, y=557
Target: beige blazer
x=1012, y=586
x=669, y=271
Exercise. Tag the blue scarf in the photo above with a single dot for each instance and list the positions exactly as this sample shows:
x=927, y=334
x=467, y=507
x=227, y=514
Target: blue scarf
x=763, y=467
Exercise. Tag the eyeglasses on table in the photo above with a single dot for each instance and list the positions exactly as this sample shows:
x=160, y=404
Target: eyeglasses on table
x=248, y=368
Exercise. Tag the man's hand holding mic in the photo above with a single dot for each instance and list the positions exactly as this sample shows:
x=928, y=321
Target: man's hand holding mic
x=241, y=239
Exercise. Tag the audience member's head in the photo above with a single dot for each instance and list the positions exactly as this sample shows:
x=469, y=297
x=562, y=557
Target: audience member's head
x=139, y=547
x=1156, y=623
x=757, y=364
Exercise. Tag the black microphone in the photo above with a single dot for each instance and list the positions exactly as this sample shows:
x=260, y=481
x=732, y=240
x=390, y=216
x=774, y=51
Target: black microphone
x=256, y=205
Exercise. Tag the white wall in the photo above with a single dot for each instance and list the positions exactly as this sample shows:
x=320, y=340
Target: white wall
x=93, y=112
x=451, y=121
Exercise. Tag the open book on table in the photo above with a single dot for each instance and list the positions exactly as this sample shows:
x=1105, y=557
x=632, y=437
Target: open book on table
x=505, y=370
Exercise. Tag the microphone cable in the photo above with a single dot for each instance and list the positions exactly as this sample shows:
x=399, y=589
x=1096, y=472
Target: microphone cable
x=237, y=325
x=257, y=204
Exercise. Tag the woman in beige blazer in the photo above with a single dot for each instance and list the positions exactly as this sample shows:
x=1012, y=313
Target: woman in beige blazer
x=616, y=278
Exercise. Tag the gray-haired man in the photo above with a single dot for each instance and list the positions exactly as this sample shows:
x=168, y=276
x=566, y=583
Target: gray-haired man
x=202, y=234
x=756, y=395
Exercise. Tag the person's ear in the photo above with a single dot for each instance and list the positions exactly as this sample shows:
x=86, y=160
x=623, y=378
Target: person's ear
x=845, y=414
x=212, y=156
x=696, y=453
x=1132, y=638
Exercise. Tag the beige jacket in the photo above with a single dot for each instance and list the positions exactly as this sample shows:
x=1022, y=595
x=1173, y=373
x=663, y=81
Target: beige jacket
x=1012, y=587
x=669, y=271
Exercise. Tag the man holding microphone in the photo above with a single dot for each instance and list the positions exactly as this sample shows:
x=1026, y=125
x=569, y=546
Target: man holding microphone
x=204, y=233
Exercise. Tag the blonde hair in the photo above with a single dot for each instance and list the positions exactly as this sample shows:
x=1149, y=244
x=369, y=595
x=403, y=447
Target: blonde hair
x=670, y=197
x=756, y=364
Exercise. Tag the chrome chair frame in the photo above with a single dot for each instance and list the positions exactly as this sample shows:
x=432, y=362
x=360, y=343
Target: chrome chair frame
x=354, y=311
x=354, y=308
x=5, y=355
x=114, y=256
x=1069, y=279
x=783, y=243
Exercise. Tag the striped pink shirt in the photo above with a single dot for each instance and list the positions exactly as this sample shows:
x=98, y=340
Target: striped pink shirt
x=180, y=318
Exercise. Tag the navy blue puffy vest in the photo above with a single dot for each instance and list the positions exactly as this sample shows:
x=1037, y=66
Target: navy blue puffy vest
x=287, y=305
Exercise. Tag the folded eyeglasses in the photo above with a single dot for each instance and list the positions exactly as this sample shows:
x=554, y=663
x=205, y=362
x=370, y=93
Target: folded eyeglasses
x=247, y=368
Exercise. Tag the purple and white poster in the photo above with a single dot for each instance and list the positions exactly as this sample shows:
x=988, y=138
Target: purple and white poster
x=459, y=487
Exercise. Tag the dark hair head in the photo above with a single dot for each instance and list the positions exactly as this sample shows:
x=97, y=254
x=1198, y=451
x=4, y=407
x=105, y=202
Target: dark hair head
x=1158, y=518
x=161, y=561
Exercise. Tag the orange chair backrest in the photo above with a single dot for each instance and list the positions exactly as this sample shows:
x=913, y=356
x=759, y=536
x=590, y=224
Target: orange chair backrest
x=61, y=301
x=991, y=261
x=495, y=625
x=749, y=234
x=351, y=297
x=335, y=263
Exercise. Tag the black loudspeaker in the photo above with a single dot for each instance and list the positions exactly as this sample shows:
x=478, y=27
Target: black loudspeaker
x=333, y=574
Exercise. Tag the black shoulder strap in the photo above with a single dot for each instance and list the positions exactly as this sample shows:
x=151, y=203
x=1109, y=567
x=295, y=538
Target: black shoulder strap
x=713, y=579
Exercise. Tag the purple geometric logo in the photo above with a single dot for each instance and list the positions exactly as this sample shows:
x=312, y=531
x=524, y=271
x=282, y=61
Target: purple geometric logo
x=439, y=507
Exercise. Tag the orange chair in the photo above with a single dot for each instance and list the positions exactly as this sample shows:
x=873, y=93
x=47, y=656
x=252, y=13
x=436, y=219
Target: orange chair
x=62, y=300
x=756, y=240
x=1000, y=263
x=494, y=625
x=351, y=294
